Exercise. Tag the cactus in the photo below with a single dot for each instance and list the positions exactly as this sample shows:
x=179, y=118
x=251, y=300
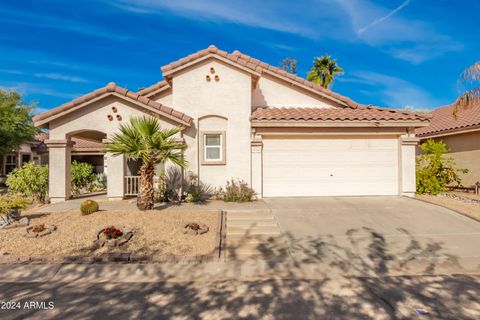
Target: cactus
x=88, y=207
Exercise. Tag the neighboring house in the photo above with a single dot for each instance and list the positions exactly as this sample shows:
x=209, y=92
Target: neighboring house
x=242, y=118
x=461, y=134
x=37, y=152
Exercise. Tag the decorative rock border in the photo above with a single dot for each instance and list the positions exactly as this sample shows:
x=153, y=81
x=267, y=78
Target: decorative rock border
x=99, y=240
x=48, y=228
x=23, y=222
x=127, y=257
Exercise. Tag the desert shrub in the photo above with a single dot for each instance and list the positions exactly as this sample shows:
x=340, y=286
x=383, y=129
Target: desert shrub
x=99, y=182
x=197, y=191
x=29, y=181
x=435, y=171
x=237, y=191
x=88, y=207
x=9, y=201
x=82, y=176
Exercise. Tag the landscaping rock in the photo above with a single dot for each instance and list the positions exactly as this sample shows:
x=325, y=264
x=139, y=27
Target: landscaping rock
x=195, y=228
x=29, y=233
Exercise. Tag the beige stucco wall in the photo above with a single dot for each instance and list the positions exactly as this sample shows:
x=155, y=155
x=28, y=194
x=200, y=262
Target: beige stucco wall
x=276, y=93
x=465, y=150
x=92, y=117
x=216, y=105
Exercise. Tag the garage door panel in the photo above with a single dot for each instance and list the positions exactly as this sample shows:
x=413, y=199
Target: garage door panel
x=322, y=167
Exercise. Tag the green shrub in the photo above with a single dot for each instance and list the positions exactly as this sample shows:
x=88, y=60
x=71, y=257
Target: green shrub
x=11, y=201
x=197, y=191
x=82, y=176
x=435, y=171
x=29, y=181
x=88, y=207
x=237, y=191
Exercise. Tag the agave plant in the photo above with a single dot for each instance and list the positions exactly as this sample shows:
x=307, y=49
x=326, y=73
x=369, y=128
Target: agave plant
x=144, y=139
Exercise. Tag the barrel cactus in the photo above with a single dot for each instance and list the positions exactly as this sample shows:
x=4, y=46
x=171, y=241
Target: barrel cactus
x=88, y=207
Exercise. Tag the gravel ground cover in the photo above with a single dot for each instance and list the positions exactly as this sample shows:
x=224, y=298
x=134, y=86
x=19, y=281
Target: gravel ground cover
x=465, y=207
x=156, y=233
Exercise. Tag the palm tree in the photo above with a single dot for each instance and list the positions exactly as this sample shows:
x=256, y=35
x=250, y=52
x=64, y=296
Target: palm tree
x=324, y=70
x=143, y=139
x=472, y=95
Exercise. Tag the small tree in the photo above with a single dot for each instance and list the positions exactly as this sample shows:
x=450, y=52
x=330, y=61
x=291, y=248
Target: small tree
x=16, y=125
x=82, y=176
x=29, y=181
x=144, y=138
x=324, y=71
x=289, y=64
x=435, y=171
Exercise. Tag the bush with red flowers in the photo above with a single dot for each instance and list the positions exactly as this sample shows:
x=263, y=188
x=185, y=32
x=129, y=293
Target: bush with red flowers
x=112, y=233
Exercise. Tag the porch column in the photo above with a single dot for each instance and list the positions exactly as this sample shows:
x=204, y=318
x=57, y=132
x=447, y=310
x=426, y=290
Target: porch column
x=115, y=176
x=407, y=157
x=59, y=164
x=256, y=163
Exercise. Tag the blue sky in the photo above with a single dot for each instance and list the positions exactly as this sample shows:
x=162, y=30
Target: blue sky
x=395, y=53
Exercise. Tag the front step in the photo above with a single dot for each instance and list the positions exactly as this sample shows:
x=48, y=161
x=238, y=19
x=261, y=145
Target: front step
x=245, y=230
x=249, y=216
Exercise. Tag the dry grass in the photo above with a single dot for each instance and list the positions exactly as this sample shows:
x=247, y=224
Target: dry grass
x=155, y=232
x=469, y=209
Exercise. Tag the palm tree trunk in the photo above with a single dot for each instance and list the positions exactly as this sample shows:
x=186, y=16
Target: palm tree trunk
x=146, y=197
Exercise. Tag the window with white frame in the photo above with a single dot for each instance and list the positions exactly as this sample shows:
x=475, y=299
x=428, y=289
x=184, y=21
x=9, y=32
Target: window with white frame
x=213, y=147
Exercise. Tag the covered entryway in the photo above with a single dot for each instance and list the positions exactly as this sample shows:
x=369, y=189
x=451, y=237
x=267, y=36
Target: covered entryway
x=330, y=166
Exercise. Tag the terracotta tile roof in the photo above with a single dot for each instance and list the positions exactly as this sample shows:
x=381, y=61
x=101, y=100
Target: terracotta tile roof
x=39, y=144
x=259, y=67
x=113, y=88
x=368, y=113
x=443, y=120
x=149, y=90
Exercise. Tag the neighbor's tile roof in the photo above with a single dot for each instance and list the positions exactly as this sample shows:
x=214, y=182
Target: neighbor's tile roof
x=444, y=120
x=112, y=87
x=334, y=114
x=257, y=66
x=40, y=145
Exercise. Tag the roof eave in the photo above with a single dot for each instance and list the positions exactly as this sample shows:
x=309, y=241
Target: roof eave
x=449, y=132
x=43, y=123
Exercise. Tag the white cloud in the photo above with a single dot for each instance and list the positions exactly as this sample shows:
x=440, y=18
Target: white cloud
x=27, y=88
x=393, y=91
x=385, y=17
x=411, y=40
x=342, y=20
x=58, y=76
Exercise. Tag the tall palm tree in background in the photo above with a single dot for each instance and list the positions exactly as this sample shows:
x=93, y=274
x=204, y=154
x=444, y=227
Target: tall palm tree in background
x=324, y=70
x=144, y=139
x=471, y=78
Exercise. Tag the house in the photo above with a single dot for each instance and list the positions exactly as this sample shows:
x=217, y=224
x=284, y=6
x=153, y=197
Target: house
x=242, y=118
x=36, y=151
x=461, y=134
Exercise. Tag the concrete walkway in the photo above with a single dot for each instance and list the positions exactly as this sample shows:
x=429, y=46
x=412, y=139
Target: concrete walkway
x=254, y=234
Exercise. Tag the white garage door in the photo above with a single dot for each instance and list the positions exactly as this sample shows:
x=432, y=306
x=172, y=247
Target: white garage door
x=329, y=166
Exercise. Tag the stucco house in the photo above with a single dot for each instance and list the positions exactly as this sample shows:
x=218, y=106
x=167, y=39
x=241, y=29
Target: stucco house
x=242, y=118
x=36, y=151
x=461, y=134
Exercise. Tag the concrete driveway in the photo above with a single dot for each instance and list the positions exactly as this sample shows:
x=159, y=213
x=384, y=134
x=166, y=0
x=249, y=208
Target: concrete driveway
x=378, y=235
